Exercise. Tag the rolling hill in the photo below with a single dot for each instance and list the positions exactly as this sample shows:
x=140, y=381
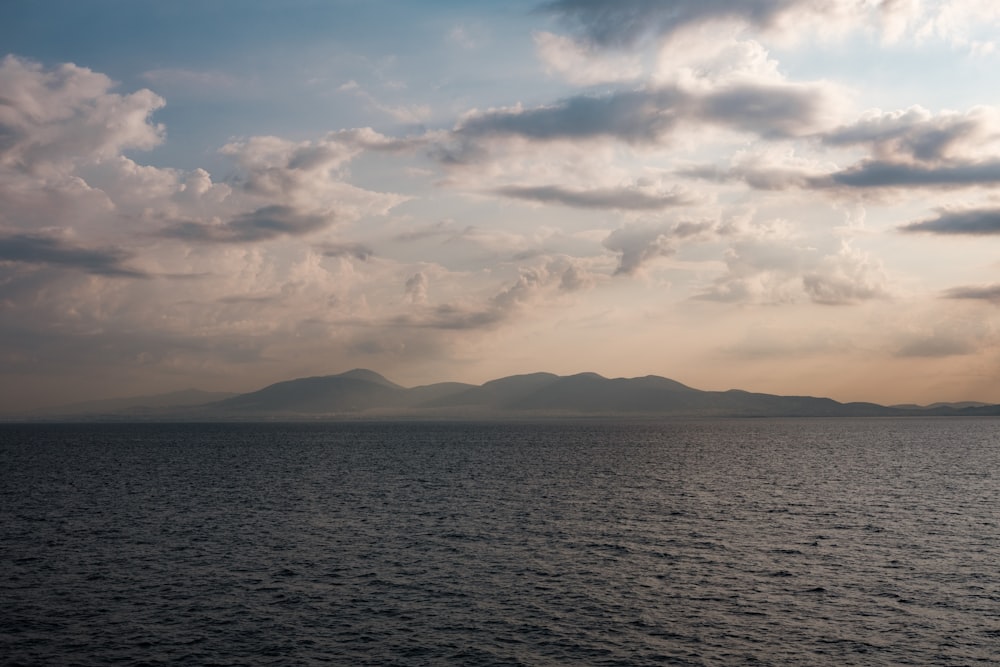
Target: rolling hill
x=364, y=394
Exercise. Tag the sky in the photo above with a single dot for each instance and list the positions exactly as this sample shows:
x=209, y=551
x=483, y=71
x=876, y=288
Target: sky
x=786, y=196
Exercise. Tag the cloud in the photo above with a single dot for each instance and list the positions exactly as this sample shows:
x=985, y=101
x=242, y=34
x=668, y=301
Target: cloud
x=759, y=175
x=583, y=65
x=865, y=175
x=765, y=271
x=46, y=250
x=503, y=305
x=759, y=270
x=260, y=300
x=980, y=222
x=989, y=293
x=628, y=198
x=936, y=346
x=308, y=175
x=623, y=23
x=775, y=110
x=368, y=139
x=451, y=317
x=51, y=119
x=915, y=148
x=701, y=60
x=648, y=116
x=639, y=244
x=412, y=113
x=848, y=277
x=533, y=285
x=911, y=148
x=878, y=174
x=970, y=25
x=574, y=279
x=917, y=134
x=416, y=288
x=527, y=285
x=271, y=166
x=630, y=116
x=626, y=23
x=357, y=251
x=263, y=224
x=433, y=230
x=575, y=127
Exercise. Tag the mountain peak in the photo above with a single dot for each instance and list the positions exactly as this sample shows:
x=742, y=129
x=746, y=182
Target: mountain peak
x=367, y=376
x=585, y=376
x=364, y=392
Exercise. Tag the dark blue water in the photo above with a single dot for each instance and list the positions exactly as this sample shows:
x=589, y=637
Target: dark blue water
x=769, y=542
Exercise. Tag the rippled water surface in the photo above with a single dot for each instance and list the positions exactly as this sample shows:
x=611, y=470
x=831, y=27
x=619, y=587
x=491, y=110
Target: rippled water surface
x=770, y=542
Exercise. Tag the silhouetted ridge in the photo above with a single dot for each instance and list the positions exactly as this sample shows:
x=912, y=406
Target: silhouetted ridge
x=427, y=394
x=367, y=376
x=498, y=394
x=590, y=392
x=365, y=393
x=350, y=392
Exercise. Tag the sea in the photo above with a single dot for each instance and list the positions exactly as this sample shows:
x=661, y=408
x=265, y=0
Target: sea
x=590, y=542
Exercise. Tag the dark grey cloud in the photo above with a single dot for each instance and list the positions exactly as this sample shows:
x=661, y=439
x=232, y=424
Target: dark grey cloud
x=647, y=116
x=770, y=110
x=240, y=299
x=315, y=156
x=451, y=317
x=914, y=148
x=989, y=293
x=883, y=174
x=357, y=251
x=573, y=279
x=935, y=347
x=913, y=134
x=630, y=199
x=623, y=23
x=922, y=143
x=528, y=254
x=839, y=290
x=906, y=149
x=263, y=224
x=415, y=287
x=865, y=175
x=45, y=250
x=632, y=116
x=757, y=177
x=980, y=222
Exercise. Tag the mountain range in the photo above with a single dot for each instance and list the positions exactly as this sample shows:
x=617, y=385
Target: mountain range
x=364, y=394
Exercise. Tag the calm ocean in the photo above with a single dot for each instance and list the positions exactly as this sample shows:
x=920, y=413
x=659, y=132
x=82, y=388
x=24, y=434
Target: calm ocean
x=722, y=542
